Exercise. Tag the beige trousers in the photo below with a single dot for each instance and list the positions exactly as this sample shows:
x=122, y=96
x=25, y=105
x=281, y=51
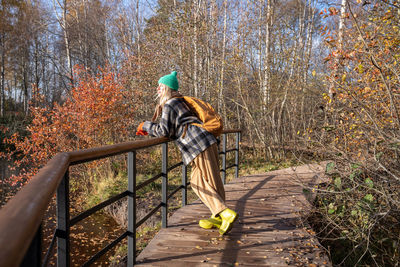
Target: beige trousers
x=206, y=180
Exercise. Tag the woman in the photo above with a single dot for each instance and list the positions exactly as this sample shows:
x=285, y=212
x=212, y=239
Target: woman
x=198, y=147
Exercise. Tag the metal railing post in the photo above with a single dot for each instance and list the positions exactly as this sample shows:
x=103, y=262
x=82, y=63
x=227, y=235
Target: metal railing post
x=132, y=208
x=33, y=255
x=184, y=184
x=237, y=155
x=164, y=171
x=63, y=241
x=223, y=158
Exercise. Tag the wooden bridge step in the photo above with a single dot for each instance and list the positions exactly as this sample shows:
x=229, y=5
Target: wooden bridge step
x=267, y=232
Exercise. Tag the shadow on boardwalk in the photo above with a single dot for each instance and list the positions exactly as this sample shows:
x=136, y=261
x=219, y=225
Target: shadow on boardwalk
x=267, y=233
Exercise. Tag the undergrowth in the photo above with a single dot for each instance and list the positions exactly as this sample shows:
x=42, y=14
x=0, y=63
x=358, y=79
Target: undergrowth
x=356, y=217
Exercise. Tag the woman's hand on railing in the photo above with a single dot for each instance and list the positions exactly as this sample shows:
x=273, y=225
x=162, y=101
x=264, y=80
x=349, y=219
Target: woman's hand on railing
x=140, y=130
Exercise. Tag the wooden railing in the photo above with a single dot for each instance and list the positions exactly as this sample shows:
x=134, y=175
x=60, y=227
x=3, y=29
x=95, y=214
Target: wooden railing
x=21, y=217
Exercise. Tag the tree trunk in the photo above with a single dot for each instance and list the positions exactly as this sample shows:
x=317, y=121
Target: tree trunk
x=25, y=89
x=268, y=31
x=260, y=41
x=37, y=75
x=266, y=83
x=138, y=35
x=195, y=48
x=221, y=99
x=66, y=42
x=336, y=63
x=81, y=41
x=2, y=70
x=307, y=58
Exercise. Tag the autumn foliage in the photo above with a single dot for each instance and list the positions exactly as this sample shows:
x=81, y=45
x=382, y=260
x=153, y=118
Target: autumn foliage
x=367, y=86
x=97, y=111
x=361, y=206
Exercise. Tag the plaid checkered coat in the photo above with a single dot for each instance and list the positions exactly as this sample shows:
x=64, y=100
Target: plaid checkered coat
x=175, y=115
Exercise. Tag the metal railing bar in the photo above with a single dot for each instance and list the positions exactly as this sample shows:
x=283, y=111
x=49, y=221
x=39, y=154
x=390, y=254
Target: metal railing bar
x=33, y=256
x=149, y=181
x=53, y=241
x=63, y=222
x=148, y=215
x=231, y=166
x=173, y=192
x=223, y=163
x=98, y=207
x=131, y=255
x=237, y=154
x=229, y=150
x=164, y=187
x=174, y=166
x=105, y=249
x=46, y=257
x=184, y=185
x=231, y=131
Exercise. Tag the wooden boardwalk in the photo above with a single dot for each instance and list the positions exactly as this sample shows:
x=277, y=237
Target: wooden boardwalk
x=267, y=233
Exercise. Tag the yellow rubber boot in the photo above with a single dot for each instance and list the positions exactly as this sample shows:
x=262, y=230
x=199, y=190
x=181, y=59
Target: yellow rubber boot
x=210, y=222
x=228, y=217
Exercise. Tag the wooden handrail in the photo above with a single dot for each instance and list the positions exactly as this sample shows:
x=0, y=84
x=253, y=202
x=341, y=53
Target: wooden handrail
x=21, y=216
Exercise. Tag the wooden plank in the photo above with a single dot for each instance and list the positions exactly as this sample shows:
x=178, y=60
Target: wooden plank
x=267, y=233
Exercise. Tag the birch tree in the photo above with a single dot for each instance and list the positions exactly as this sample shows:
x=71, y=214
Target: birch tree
x=62, y=21
x=221, y=101
x=266, y=86
x=339, y=47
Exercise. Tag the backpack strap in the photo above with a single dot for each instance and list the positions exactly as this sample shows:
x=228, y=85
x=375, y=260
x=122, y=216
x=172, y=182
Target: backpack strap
x=185, y=130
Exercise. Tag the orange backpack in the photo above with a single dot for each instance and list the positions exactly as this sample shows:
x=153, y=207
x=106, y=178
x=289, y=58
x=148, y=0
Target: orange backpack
x=212, y=122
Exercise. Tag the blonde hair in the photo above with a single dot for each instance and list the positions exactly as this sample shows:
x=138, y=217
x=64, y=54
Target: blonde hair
x=165, y=95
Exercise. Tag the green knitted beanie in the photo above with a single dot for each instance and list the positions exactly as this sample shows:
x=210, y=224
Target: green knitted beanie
x=170, y=80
